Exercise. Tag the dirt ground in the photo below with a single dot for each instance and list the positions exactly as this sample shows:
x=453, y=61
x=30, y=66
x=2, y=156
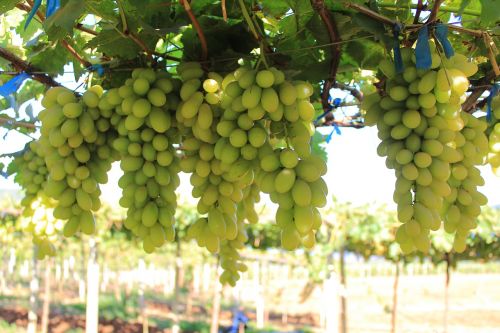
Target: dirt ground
x=474, y=304
x=474, y=307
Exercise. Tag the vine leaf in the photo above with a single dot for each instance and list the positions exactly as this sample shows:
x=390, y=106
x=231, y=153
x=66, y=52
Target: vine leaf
x=112, y=43
x=373, y=27
x=489, y=12
x=66, y=16
x=103, y=9
x=49, y=57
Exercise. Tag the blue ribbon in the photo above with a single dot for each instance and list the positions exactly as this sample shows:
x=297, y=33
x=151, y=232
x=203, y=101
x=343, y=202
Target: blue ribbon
x=423, y=50
x=52, y=7
x=32, y=13
x=96, y=68
x=441, y=33
x=494, y=90
x=13, y=84
x=398, y=59
x=336, y=129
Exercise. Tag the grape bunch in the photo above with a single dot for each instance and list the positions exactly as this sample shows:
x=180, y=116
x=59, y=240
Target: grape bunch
x=37, y=218
x=142, y=109
x=419, y=119
x=75, y=138
x=463, y=205
x=31, y=172
x=248, y=109
x=494, y=136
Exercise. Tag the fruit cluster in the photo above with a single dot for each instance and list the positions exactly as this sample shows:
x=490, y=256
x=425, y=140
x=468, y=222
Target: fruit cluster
x=432, y=146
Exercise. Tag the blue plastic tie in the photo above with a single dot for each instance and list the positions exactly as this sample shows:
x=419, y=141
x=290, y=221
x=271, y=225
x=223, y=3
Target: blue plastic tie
x=336, y=130
x=494, y=90
x=32, y=13
x=332, y=104
x=96, y=68
x=423, y=50
x=336, y=102
x=441, y=33
x=13, y=84
x=52, y=7
x=398, y=59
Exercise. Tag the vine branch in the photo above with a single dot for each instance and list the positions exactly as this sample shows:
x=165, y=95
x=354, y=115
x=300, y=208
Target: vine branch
x=470, y=103
x=197, y=27
x=23, y=66
x=420, y=7
x=385, y=20
x=11, y=122
x=354, y=92
x=434, y=11
x=224, y=11
x=336, y=48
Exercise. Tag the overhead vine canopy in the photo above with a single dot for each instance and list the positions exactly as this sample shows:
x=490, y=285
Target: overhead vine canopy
x=313, y=40
x=231, y=92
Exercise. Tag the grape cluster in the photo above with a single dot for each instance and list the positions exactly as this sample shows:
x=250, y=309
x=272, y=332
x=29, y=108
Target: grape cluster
x=146, y=138
x=230, y=127
x=494, y=136
x=419, y=121
x=37, y=218
x=75, y=138
x=463, y=205
x=31, y=172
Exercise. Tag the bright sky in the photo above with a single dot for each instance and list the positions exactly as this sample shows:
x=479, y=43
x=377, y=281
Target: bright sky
x=355, y=172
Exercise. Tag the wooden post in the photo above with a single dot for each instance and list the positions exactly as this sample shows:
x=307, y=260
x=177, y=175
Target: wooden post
x=142, y=305
x=179, y=270
x=214, y=324
x=81, y=281
x=34, y=287
x=92, y=309
x=446, y=291
x=259, y=296
x=46, y=299
x=343, y=289
x=395, y=300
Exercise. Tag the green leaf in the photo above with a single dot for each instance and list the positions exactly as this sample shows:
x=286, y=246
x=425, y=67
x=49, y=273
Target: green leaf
x=103, y=9
x=317, y=145
x=49, y=57
x=462, y=7
x=65, y=16
x=276, y=8
x=112, y=43
x=490, y=12
x=6, y=5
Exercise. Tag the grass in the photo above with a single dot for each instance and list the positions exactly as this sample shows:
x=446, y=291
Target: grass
x=5, y=327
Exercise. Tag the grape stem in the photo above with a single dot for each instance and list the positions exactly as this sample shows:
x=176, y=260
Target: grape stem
x=420, y=6
x=335, y=48
x=224, y=11
x=197, y=27
x=435, y=8
x=23, y=66
x=11, y=122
